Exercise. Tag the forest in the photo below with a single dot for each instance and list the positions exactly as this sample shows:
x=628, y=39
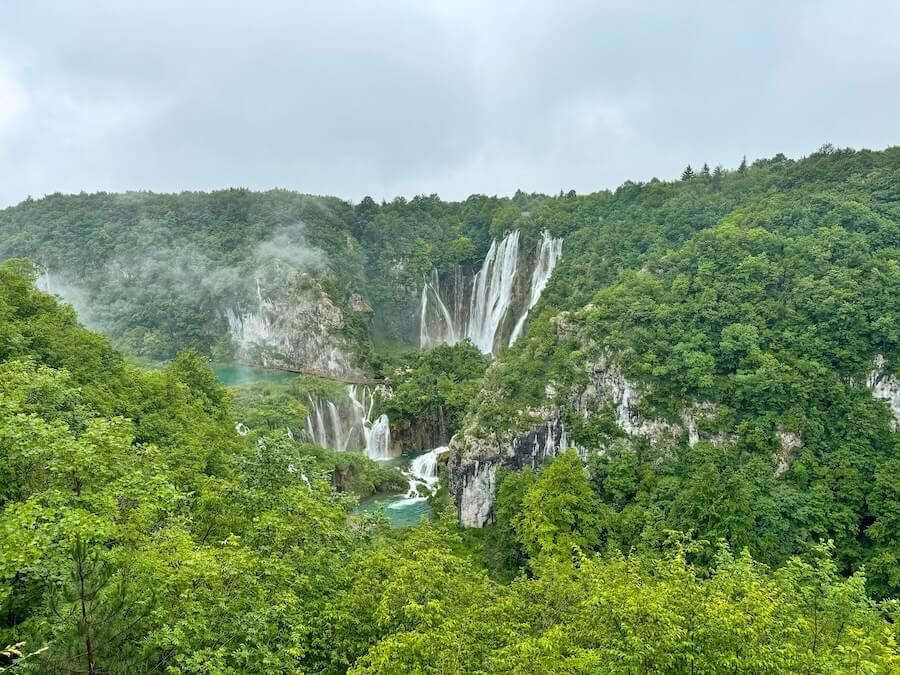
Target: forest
x=140, y=533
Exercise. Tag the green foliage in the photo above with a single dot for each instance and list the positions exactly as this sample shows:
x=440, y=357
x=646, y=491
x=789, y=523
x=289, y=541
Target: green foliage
x=504, y=545
x=435, y=387
x=273, y=415
x=762, y=294
x=140, y=533
x=156, y=272
x=560, y=513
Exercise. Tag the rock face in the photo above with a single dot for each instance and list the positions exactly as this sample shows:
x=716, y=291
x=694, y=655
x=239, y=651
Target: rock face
x=788, y=442
x=491, y=307
x=885, y=386
x=291, y=323
x=477, y=456
x=423, y=433
x=475, y=461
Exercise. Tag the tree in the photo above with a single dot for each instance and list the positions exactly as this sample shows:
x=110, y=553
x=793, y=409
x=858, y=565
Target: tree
x=717, y=177
x=560, y=512
x=688, y=173
x=504, y=220
x=504, y=548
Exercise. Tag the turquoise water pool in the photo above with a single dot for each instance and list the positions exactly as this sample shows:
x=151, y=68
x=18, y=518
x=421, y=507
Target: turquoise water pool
x=399, y=510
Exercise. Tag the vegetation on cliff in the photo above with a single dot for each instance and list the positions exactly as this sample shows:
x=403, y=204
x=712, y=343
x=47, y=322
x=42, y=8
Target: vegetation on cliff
x=769, y=310
x=140, y=533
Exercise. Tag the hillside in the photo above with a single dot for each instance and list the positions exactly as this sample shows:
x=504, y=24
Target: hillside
x=140, y=533
x=672, y=414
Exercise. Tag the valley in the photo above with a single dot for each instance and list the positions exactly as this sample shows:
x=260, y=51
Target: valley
x=364, y=426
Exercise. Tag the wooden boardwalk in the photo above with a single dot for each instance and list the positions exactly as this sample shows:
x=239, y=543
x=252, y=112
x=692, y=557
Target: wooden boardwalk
x=324, y=374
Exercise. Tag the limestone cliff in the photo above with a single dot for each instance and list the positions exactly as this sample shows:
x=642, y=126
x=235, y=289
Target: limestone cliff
x=885, y=386
x=291, y=323
x=479, y=453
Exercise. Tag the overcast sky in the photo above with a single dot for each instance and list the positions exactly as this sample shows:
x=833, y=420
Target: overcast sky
x=445, y=96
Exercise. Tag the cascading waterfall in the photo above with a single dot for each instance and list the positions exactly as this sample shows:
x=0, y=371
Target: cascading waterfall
x=44, y=283
x=548, y=255
x=378, y=438
x=440, y=321
x=452, y=308
x=423, y=473
x=492, y=292
x=348, y=424
x=340, y=439
x=446, y=331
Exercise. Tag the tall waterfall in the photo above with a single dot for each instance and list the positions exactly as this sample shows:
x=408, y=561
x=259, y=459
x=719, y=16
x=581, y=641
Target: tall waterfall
x=348, y=424
x=441, y=328
x=453, y=307
x=492, y=292
x=548, y=255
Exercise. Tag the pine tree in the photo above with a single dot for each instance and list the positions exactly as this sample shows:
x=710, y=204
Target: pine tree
x=743, y=167
x=717, y=177
x=688, y=173
x=705, y=170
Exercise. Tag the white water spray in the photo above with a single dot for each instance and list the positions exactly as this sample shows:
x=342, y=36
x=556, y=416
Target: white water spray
x=548, y=255
x=446, y=330
x=423, y=477
x=453, y=308
x=492, y=292
x=378, y=438
x=348, y=425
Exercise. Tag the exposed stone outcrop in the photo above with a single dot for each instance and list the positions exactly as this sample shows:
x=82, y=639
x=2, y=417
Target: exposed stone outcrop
x=422, y=433
x=478, y=455
x=885, y=386
x=476, y=459
x=291, y=324
x=608, y=388
x=788, y=441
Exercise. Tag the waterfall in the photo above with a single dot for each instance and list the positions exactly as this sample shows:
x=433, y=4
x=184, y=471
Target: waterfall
x=44, y=283
x=378, y=439
x=347, y=424
x=447, y=332
x=339, y=440
x=492, y=292
x=423, y=472
x=319, y=434
x=453, y=308
x=548, y=255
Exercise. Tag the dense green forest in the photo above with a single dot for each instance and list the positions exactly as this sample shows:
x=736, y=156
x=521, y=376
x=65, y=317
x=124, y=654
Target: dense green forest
x=153, y=271
x=141, y=533
x=771, y=313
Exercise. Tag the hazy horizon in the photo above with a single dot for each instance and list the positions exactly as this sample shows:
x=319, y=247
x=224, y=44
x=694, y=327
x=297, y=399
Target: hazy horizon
x=439, y=97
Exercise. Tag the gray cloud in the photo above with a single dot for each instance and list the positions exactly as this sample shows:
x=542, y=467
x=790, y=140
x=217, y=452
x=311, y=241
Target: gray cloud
x=407, y=96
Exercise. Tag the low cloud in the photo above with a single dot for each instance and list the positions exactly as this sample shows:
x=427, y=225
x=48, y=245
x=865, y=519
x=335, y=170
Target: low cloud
x=354, y=98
